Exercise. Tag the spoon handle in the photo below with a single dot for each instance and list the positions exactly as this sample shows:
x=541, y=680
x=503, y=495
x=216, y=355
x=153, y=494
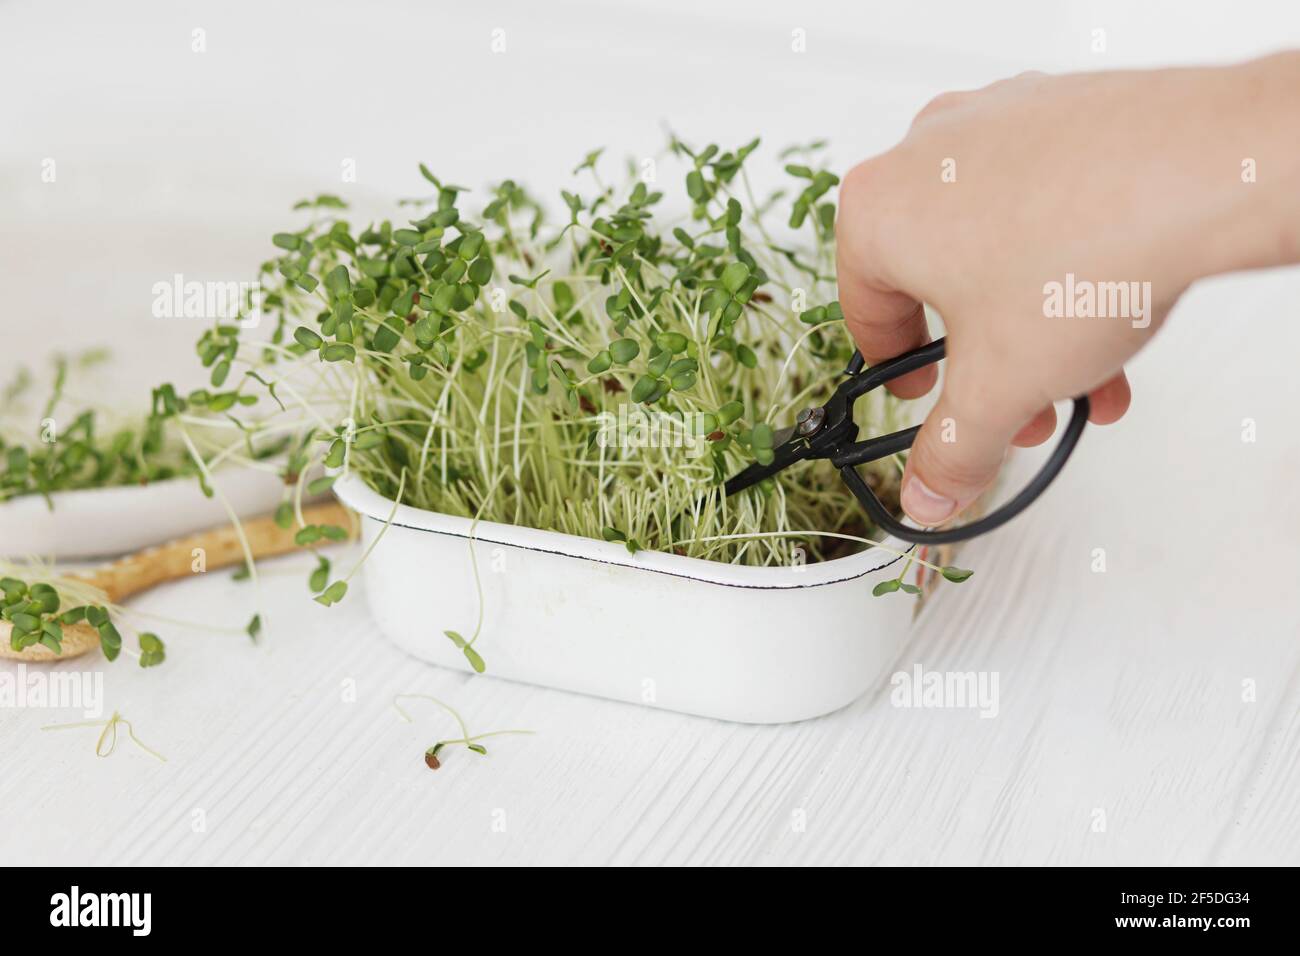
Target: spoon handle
x=205, y=551
x=175, y=560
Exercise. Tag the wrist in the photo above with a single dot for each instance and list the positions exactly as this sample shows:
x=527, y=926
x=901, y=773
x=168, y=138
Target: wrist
x=1255, y=154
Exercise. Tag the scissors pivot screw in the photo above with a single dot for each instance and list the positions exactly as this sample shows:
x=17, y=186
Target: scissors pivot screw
x=810, y=420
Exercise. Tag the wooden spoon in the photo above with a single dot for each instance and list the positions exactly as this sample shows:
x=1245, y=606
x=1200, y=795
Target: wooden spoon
x=138, y=572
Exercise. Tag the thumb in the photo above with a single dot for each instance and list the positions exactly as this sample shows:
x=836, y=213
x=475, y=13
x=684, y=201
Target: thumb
x=958, y=451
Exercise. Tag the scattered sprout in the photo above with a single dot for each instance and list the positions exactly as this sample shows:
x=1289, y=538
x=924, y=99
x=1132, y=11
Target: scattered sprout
x=38, y=612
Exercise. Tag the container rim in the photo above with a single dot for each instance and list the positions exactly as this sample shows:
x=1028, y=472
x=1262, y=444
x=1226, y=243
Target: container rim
x=367, y=502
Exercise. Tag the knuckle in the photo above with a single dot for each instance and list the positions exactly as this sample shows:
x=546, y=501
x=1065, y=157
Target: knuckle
x=863, y=203
x=1020, y=79
x=940, y=103
x=870, y=209
x=859, y=183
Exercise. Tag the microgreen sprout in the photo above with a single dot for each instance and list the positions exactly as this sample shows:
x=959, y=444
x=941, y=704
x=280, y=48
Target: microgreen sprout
x=38, y=612
x=898, y=583
x=467, y=647
x=471, y=359
x=466, y=739
x=74, y=450
x=107, y=742
x=476, y=349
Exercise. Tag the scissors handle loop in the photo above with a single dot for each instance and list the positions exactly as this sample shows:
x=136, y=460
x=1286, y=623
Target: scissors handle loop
x=850, y=456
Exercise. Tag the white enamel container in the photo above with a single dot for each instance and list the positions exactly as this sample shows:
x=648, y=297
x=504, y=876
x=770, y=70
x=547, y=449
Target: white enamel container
x=759, y=645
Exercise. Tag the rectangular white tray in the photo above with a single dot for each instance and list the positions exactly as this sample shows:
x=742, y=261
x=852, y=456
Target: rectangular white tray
x=759, y=645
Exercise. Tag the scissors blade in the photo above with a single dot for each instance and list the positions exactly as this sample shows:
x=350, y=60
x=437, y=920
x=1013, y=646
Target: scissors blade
x=786, y=450
x=781, y=437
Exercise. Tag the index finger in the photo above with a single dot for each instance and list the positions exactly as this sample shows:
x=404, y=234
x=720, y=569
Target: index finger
x=884, y=322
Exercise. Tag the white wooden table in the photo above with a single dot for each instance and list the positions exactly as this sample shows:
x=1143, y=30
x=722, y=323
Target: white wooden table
x=1149, y=713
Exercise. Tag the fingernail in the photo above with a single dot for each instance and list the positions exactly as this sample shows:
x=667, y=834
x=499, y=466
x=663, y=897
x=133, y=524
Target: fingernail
x=924, y=506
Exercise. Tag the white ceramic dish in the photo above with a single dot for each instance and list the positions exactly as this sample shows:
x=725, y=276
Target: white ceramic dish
x=101, y=522
x=759, y=645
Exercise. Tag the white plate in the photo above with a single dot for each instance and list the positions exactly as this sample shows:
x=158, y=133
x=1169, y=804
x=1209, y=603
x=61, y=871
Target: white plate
x=101, y=522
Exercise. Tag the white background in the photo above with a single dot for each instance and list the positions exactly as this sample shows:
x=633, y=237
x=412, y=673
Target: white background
x=1121, y=692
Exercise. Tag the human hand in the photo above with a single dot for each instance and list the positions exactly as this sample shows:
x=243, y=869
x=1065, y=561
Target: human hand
x=1003, y=205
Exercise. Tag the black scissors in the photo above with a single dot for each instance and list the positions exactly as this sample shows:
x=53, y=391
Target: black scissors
x=829, y=431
